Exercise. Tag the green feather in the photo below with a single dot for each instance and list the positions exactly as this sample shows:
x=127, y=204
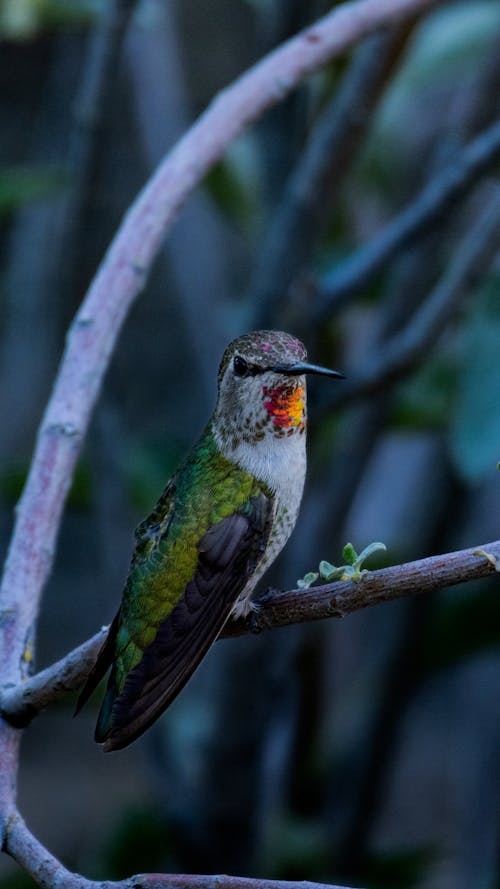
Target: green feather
x=207, y=488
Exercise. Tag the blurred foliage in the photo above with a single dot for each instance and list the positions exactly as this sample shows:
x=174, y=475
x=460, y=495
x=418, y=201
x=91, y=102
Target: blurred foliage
x=301, y=849
x=13, y=478
x=233, y=184
x=147, y=468
x=139, y=843
x=425, y=399
x=449, y=46
x=451, y=43
x=298, y=849
x=399, y=869
x=475, y=424
x=462, y=625
x=20, y=186
x=26, y=19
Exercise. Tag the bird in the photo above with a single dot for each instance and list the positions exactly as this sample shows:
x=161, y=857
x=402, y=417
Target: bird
x=220, y=522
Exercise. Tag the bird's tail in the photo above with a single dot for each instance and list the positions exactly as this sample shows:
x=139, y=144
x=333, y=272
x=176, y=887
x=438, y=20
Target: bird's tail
x=104, y=720
x=101, y=666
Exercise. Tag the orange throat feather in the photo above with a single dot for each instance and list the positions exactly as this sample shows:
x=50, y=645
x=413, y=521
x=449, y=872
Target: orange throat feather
x=286, y=406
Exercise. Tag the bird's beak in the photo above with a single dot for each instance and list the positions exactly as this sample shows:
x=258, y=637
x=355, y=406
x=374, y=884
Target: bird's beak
x=303, y=367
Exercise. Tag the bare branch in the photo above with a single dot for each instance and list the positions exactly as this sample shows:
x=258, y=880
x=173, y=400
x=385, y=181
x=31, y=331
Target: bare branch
x=280, y=609
x=22, y=702
x=49, y=873
x=435, y=200
x=91, y=340
x=121, y=277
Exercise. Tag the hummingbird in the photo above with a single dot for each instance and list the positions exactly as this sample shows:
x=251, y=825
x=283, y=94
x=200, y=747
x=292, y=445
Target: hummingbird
x=218, y=525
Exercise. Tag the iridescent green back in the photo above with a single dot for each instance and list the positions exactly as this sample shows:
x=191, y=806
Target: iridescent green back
x=205, y=490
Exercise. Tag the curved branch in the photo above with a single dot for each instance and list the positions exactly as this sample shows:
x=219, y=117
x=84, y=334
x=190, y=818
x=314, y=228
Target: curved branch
x=49, y=873
x=21, y=703
x=91, y=340
x=121, y=277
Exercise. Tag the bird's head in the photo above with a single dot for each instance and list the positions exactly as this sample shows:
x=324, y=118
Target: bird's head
x=262, y=386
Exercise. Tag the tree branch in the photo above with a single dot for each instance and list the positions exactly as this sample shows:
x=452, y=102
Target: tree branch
x=121, y=277
x=21, y=703
x=313, y=184
x=49, y=873
x=435, y=200
x=281, y=608
x=404, y=351
x=91, y=341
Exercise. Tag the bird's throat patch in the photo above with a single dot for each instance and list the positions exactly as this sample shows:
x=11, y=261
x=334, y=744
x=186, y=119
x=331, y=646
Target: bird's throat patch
x=286, y=406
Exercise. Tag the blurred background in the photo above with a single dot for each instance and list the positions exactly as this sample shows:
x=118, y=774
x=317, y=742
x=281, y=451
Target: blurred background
x=363, y=215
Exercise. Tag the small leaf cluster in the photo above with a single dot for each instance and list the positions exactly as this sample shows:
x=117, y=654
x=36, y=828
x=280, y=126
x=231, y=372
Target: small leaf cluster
x=351, y=570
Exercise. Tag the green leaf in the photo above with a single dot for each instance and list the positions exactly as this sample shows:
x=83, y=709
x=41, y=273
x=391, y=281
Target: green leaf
x=305, y=582
x=352, y=570
x=331, y=572
x=368, y=551
x=475, y=426
x=349, y=553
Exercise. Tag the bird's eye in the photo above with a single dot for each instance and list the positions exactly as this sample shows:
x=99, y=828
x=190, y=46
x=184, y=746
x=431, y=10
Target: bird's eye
x=240, y=367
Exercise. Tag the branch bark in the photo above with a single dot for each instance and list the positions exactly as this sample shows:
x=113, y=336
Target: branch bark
x=344, y=597
x=49, y=873
x=121, y=277
x=91, y=340
x=20, y=703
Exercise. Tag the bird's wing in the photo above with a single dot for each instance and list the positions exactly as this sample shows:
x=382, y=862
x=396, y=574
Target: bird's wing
x=147, y=536
x=228, y=554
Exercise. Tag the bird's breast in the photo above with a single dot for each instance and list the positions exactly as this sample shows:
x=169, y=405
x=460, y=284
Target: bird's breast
x=282, y=469
x=280, y=463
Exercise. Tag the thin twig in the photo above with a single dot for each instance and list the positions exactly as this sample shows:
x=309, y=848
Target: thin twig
x=404, y=351
x=344, y=597
x=436, y=199
x=276, y=608
x=313, y=185
x=96, y=88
